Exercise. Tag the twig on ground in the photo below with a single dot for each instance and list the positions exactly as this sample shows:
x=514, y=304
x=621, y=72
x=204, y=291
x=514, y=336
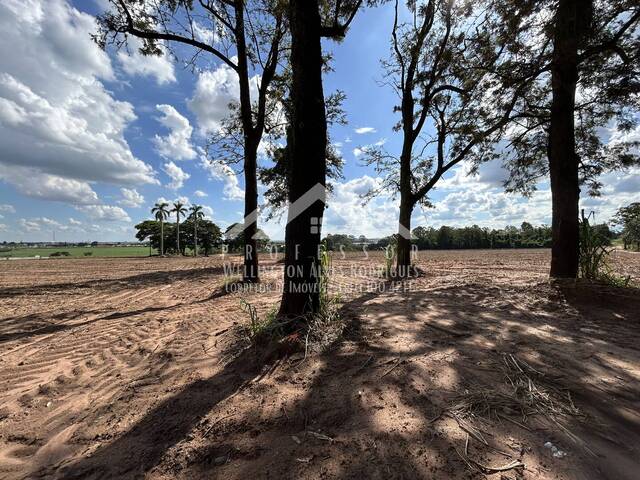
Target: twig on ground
x=398, y=362
x=205, y=434
x=361, y=367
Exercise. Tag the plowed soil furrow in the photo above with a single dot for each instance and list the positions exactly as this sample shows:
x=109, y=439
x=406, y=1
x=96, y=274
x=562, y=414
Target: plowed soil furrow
x=127, y=368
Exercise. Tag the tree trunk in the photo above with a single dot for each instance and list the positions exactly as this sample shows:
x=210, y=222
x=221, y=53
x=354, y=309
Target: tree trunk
x=178, y=235
x=563, y=160
x=195, y=237
x=406, y=208
x=308, y=161
x=404, y=241
x=250, y=272
x=250, y=269
x=161, y=238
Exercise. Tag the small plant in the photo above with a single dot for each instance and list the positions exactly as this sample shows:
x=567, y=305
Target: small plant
x=323, y=327
x=87, y=254
x=324, y=271
x=594, y=256
x=390, y=256
x=261, y=329
x=60, y=254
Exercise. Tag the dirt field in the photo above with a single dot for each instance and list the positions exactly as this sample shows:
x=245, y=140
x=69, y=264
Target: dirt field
x=132, y=368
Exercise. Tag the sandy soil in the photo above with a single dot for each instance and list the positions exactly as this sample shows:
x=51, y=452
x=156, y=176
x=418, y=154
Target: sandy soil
x=133, y=368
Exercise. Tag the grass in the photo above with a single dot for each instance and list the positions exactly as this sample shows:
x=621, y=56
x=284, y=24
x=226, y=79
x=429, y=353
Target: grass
x=134, y=251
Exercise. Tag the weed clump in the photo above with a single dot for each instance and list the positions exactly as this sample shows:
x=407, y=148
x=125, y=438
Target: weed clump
x=594, y=256
x=314, y=331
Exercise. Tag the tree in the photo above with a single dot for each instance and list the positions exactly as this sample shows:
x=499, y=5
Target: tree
x=576, y=49
x=629, y=219
x=178, y=209
x=195, y=215
x=161, y=214
x=234, y=237
x=308, y=145
x=440, y=85
x=250, y=33
x=208, y=235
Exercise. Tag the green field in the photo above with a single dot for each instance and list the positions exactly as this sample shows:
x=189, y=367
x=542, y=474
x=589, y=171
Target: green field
x=137, y=251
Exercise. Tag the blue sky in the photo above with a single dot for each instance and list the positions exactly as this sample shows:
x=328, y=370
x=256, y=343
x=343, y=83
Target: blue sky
x=89, y=141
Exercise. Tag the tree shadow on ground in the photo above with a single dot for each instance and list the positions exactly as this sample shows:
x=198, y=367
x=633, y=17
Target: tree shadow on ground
x=143, y=446
x=372, y=406
x=149, y=279
x=382, y=406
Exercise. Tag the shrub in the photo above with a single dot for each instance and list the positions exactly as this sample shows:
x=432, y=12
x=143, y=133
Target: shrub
x=60, y=254
x=594, y=256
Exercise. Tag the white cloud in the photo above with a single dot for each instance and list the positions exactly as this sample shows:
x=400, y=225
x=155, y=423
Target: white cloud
x=204, y=34
x=33, y=183
x=136, y=64
x=347, y=214
x=362, y=150
x=3, y=227
x=131, y=198
x=208, y=211
x=176, y=145
x=364, y=130
x=215, y=91
x=490, y=175
x=73, y=221
x=58, y=122
x=6, y=208
x=182, y=199
x=200, y=194
x=28, y=225
x=106, y=213
x=220, y=171
x=177, y=175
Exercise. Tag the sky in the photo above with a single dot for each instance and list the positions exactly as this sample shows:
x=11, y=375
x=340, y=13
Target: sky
x=91, y=140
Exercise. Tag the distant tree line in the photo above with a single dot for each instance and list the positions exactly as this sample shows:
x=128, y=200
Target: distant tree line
x=473, y=237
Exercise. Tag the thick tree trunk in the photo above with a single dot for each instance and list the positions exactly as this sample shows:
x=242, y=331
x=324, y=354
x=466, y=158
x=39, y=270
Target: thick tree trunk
x=308, y=160
x=195, y=237
x=161, y=238
x=404, y=241
x=563, y=160
x=250, y=271
x=406, y=201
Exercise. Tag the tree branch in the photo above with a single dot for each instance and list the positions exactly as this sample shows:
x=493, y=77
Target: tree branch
x=612, y=43
x=154, y=35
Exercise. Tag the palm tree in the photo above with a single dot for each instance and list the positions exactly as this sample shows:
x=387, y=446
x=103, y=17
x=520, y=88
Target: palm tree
x=178, y=209
x=196, y=214
x=161, y=213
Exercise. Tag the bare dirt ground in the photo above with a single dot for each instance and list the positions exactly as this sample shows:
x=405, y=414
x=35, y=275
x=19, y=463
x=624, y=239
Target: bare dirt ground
x=133, y=368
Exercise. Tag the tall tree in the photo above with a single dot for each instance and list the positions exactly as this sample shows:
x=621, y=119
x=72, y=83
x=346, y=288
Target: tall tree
x=161, y=214
x=309, y=22
x=255, y=30
x=572, y=20
x=441, y=86
x=586, y=55
x=179, y=209
x=196, y=214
